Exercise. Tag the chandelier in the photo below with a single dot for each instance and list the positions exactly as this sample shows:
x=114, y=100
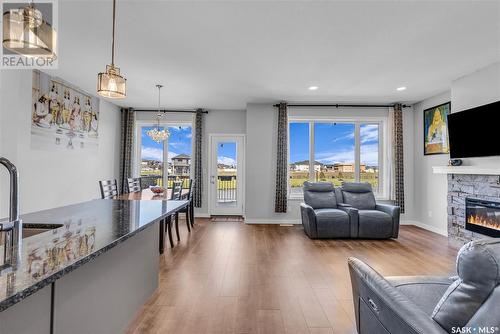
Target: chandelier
x=155, y=133
x=27, y=33
x=110, y=83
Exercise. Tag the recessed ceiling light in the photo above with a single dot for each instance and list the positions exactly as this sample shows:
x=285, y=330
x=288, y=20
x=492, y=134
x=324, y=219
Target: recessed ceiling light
x=313, y=88
x=400, y=89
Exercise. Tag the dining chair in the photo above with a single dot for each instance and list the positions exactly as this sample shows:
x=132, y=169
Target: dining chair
x=189, y=209
x=109, y=188
x=134, y=184
x=175, y=196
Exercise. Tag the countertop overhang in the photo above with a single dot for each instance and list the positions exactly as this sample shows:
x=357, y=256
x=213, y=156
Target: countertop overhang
x=88, y=230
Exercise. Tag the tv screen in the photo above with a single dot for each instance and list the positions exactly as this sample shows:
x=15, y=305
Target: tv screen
x=475, y=132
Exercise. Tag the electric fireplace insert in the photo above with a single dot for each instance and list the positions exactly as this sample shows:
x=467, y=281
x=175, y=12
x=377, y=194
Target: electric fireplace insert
x=482, y=216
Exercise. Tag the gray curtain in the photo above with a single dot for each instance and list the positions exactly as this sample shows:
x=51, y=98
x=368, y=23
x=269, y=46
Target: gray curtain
x=198, y=142
x=399, y=188
x=280, y=203
x=126, y=146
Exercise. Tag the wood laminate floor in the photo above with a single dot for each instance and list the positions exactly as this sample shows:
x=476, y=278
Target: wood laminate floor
x=228, y=277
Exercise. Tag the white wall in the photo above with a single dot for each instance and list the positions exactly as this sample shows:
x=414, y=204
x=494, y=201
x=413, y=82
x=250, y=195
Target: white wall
x=223, y=122
x=472, y=90
x=47, y=178
x=430, y=190
x=260, y=166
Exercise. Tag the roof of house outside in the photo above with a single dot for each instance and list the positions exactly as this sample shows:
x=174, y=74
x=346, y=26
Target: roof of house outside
x=182, y=156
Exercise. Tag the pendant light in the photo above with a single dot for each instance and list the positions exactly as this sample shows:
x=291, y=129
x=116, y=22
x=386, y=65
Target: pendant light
x=25, y=32
x=155, y=133
x=110, y=83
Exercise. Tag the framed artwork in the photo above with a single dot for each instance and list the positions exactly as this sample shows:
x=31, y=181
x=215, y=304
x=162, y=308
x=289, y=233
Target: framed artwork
x=436, y=129
x=63, y=117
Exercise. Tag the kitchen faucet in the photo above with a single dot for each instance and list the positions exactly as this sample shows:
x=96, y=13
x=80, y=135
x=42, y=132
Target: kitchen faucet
x=12, y=228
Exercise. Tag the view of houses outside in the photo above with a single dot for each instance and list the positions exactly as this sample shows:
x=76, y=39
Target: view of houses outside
x=178, y=148
x=226, y=172
x=334, y=145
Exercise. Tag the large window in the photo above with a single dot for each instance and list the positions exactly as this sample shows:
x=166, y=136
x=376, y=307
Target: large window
x=175, y=151
x=335, y=152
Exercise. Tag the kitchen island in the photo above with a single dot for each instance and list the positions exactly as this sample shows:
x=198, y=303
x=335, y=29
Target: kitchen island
x=89, y=271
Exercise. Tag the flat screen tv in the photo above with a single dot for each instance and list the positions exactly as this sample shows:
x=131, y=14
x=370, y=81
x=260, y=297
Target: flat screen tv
x=475, y=132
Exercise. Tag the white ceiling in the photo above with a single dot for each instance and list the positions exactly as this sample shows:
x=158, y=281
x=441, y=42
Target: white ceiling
x=221, y=55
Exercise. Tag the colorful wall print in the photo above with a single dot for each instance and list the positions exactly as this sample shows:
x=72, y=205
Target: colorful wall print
x=436, y=129
x=63, y=117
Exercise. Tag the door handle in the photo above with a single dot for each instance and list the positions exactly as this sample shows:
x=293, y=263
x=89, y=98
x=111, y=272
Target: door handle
x=212, y=179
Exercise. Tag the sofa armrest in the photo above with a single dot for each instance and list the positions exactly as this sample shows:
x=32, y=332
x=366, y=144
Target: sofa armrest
x=353, y=218
x=377, y=303
x=309, y=220
x=394, y=212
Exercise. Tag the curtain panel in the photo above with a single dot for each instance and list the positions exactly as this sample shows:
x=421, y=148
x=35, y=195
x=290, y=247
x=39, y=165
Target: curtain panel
x=198, y=175
x=126, y=146
x=280, y=203
x=399, y=188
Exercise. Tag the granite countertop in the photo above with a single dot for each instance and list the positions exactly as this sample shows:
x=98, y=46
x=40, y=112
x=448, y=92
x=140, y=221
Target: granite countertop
x=86, y=231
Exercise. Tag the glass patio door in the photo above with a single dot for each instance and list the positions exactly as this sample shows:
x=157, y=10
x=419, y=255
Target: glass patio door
x=226, y=175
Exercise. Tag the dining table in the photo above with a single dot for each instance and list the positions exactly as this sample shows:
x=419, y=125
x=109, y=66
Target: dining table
x=148, y=195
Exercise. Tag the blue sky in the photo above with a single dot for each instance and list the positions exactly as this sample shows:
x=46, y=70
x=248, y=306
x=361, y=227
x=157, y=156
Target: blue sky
x=178, y=143
x=334, y=143
x=226, y=153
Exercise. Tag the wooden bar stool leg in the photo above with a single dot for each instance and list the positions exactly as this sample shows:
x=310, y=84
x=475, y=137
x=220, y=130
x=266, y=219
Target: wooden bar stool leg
x=177, y=226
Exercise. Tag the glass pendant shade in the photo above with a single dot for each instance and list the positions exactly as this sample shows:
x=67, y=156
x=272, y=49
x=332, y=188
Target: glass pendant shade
x=111, y=84
x=26, y=33
x=157, y=134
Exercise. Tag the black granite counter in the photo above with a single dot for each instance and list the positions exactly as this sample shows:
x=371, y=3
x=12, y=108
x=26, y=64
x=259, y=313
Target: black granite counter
x=86, y=231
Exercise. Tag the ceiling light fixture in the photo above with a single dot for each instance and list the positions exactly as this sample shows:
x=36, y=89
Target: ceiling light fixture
x=400, y=89
x=25, y=32
x=155, y=133
x=313, y=88
x=110, y=83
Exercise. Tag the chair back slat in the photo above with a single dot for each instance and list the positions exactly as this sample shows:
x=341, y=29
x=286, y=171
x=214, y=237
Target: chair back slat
x=176, y=190
x=109, y=188
x=134, y=184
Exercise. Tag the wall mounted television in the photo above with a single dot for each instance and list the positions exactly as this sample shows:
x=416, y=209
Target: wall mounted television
x=475, y=132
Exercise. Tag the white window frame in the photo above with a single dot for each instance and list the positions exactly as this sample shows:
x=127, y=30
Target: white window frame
x=382, y=193
x=136, y=170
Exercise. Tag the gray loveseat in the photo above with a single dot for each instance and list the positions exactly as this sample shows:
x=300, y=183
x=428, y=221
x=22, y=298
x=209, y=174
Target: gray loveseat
x=347, y=212
x=375, y=220
x=469, y=302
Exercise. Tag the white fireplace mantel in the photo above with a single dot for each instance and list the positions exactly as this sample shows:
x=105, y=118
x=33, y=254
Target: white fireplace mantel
x=472, y=170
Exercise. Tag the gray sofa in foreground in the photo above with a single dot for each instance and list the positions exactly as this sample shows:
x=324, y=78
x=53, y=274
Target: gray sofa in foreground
x=347, y=212
x=467, y=303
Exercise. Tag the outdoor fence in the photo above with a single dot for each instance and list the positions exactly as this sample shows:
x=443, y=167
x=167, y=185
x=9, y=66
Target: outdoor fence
x=226, y=185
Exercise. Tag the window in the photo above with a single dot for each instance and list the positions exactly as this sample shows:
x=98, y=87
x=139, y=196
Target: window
x=334, y=146
x=299, y=157
x=176, y=151
x=369, y=151
x=335, y=152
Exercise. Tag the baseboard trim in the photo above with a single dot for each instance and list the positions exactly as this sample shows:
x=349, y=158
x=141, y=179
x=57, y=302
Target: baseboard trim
x=273, y=221
x=201, y=215
x=425, y=227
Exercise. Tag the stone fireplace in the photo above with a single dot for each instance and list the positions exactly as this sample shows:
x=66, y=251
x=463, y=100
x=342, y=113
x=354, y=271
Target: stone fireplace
x=473, y=206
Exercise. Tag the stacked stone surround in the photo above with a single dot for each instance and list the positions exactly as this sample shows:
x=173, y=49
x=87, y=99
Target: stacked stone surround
x=460, y=187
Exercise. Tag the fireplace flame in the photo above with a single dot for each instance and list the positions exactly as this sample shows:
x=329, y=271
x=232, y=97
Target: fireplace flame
x=488, y=222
